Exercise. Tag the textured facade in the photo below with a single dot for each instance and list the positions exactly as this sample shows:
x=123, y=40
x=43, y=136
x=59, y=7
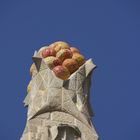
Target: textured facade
x=59, y=109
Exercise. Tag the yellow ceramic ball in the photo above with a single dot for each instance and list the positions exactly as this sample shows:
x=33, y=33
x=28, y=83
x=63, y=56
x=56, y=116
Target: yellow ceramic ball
x=29, y=88
x=52, y=61
x=64, y=54
x=32, y=68
x=59, y=45
x=79, y=58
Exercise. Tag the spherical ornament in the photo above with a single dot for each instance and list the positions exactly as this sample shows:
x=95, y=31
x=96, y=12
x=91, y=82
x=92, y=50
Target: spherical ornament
x=48, y=52
x=64, y=54
x=71, y=65
x=40, y=50
x=29, y=87
x=59, y=45
x=52, y=61
x=61, y=72
x=32, y=68
x=79, y=58
x=74, y=50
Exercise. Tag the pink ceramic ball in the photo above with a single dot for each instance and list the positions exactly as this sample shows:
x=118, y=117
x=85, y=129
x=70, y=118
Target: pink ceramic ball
x=61, y=72
x=74, y=50
x=48, y=52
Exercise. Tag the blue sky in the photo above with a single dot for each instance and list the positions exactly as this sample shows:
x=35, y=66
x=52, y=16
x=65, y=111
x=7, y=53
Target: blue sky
x=107, y=31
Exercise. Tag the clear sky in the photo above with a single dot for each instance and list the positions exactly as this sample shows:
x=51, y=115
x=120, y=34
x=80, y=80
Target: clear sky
x=107, y=31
